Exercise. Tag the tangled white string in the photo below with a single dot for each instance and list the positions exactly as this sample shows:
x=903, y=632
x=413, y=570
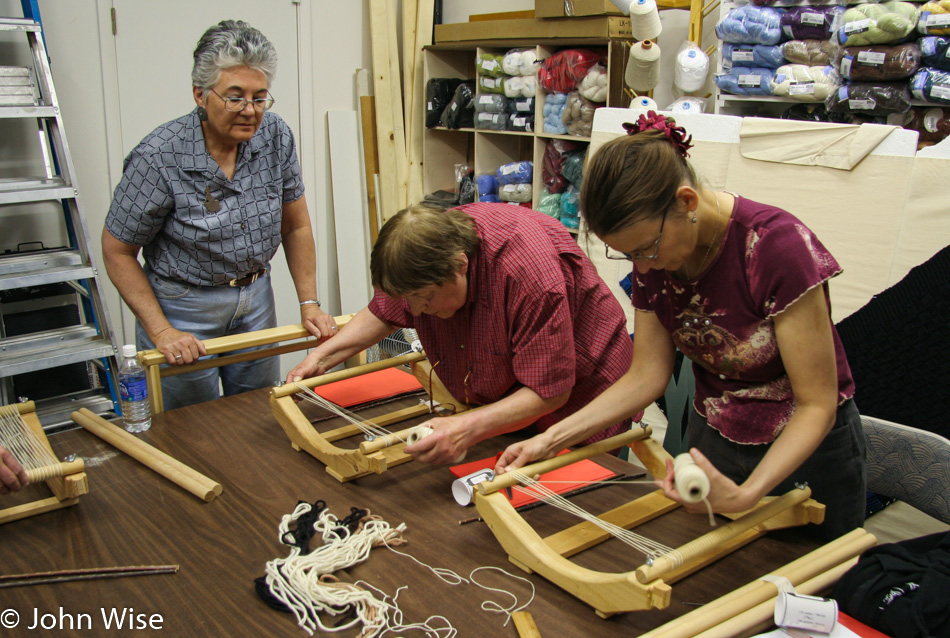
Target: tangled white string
x=26, y=447
x=496, y=608
x=647, y=546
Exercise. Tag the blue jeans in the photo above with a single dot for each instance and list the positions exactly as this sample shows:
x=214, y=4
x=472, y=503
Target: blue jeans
x=208, y=312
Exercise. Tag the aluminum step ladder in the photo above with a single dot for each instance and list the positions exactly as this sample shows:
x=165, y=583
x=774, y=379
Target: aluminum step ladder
x=55, y=340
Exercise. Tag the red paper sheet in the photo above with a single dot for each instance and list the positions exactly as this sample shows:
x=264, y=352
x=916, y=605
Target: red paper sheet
x=369, y=387
x=576, y=475
x=859, y=627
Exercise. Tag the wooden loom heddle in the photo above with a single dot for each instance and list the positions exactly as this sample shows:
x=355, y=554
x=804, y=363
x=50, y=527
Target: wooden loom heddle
x=648, y=586
x=372, y=456
x=67, y=480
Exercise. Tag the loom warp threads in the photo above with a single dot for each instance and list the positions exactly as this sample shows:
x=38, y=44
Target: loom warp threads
x=643, y=66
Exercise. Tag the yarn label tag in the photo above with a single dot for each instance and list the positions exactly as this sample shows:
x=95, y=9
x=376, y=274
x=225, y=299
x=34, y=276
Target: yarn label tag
x=742, y=55
x=846, y=66
x=812, y=19
x=932, y=120
x=937, y=20
x=858, y=26
x=940, y=91
x=750, y=80
x=805, y=88
x=866, y=104
x=871, y=58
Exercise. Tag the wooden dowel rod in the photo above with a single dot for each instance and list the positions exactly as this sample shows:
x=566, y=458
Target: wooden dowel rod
x=60, y=469
x=171, y=468
x=562, y=460
x=693, y=549
x=292, y=388
x=387, y=440
x=524, y=623
x=68, y=575
x=25, y=407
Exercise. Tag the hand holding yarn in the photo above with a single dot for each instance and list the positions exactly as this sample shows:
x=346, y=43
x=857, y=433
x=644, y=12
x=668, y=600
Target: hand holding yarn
x=690, y=480
x=440, y=445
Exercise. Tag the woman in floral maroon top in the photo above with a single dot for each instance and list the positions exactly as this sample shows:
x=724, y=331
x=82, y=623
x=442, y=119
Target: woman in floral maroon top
x=741, y=288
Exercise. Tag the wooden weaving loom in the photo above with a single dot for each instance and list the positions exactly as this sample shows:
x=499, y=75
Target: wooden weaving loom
x=22, y=434
x=648, y=586
x=372, y=456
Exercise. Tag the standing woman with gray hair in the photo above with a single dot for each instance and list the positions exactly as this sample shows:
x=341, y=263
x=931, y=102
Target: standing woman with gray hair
x=209, y=197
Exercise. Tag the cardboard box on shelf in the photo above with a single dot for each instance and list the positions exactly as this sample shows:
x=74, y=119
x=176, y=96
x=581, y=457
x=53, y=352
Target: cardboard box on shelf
x=594, y=27
x=556, y=8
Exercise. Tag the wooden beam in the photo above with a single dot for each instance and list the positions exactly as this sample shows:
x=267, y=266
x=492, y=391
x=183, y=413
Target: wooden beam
x=415, y=117
x=367, y=111
x=383, y=88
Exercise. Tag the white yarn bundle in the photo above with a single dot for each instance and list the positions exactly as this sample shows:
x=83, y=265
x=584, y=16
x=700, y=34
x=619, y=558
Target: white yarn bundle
x=520, y=86
x=645, y=20
x=691, y=482
x=804, y=83
x=594, y=84
x=691, y=68
x=643, y=66
x=520, y=62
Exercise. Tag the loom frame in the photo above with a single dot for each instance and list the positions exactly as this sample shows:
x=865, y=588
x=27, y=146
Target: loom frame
x=66, y=489
x=646, y=587
x=347, y=464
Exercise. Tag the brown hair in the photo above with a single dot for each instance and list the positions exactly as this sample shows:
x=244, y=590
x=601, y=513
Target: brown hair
x=419, y=247
x=631, y=178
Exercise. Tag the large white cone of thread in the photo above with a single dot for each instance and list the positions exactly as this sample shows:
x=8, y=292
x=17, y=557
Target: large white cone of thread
x=645, y=20
x=623, y=5
x=643, y=66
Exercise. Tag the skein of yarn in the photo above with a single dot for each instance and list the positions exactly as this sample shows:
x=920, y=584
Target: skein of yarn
x=643, y=66
x=691, y=482
x=645, y=20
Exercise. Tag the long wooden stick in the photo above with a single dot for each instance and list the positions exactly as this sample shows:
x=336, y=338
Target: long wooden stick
x=331, y=377
x=69, y=575
x=171, y=468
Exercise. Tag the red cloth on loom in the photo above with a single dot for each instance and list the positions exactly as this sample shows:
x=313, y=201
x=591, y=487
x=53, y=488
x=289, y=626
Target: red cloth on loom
x=368, y=387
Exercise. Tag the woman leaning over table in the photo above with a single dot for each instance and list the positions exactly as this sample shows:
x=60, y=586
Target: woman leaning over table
x=741, y=288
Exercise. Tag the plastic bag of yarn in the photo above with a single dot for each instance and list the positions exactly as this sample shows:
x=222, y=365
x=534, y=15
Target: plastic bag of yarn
x=688, y=104
x=561, y=72
x=870, y=99
x=645, y=20
x=465, y=183
x=460, y=111
x=578, y=115
x=878, y=62
x=491, y=121
x=884, y=23
x=746, y=80
x=810, y=23
x=691, y=67
x=815, y=112
x=934, y=18
x=935, y=52
x=520, y=86
x=770, y=56
x=552, y=163
x=489, y=199
x=520, y=61
x=750, y=24
x=931, y=123
x=486, y=184
x=931, y=85
x=804, y=83
x=552, y=109
x=810, y=52
x=515, y=173
x=439, y=92
x=523, y=122
x=643, y=66
x=489, y=64
x=573, y=167
x=550, y=204
x=594, y=84
x=488, y=84
x=518, y=193
x=521, y=105
x=491, y=103
x=570, y=203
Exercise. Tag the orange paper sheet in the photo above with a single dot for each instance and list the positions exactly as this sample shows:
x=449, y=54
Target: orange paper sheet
x=574, y=476
x=369, y=387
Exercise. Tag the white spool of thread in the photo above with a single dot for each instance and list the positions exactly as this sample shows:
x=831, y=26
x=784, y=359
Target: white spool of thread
x=643, y=66
x=692, y=65
x=643, y=103
x=623, y=5
x=645, y=20
x=420, y=432
x=691, y=482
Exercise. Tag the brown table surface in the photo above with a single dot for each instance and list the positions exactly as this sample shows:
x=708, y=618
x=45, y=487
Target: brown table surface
x=133, y=516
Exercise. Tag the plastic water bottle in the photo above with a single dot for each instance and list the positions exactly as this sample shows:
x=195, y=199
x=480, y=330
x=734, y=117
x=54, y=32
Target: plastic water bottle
x=133, y=392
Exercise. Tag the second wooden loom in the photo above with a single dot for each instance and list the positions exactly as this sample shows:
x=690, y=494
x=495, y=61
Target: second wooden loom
x=648, y=586
x=372, y=456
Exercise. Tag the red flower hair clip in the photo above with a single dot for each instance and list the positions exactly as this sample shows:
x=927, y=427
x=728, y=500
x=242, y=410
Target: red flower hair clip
x=675, y=134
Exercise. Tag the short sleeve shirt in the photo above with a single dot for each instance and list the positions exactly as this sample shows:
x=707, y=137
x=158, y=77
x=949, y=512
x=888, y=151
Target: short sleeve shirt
x=193, y=223
x=538, y=315
x=723, y=320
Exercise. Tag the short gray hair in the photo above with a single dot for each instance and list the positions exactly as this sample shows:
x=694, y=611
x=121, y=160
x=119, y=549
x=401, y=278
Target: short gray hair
x=228, y=44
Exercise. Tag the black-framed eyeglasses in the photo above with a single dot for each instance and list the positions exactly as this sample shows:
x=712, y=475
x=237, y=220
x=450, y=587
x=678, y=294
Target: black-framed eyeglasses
x=236, y=104
x=636, y=255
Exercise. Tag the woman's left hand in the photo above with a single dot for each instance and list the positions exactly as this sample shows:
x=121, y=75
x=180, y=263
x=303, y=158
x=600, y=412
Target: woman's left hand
x=445, y=446
x=317, y=322
x=724, y=495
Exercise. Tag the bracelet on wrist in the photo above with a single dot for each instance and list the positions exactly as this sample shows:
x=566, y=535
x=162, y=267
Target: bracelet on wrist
x=310, y=302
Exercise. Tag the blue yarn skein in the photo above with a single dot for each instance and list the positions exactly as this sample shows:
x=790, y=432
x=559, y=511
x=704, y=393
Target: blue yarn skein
x=751, y=24
x=554, y=105
x=763, y=55
x=515, y=173
x=746, y=80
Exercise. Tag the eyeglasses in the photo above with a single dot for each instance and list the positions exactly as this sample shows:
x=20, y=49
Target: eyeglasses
x=636, y=255
x=235, y=104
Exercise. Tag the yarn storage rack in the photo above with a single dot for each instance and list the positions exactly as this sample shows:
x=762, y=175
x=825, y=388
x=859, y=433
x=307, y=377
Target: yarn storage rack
x=648, y=586
x=67, y=480
x=369, y=457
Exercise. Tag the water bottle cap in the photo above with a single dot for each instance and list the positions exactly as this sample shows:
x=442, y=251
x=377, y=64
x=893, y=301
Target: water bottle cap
x=128, y=350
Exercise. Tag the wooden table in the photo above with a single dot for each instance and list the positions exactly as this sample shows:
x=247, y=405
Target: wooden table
x=133, y=516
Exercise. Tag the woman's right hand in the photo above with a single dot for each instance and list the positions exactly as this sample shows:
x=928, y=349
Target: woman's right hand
x=522, y=453
x=315, y=364
x=179, y=348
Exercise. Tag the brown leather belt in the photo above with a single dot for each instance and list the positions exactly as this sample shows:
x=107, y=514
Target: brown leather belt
x=250, y=279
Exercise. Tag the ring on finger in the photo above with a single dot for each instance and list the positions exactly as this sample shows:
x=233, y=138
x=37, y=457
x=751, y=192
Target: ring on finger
x=178, y=356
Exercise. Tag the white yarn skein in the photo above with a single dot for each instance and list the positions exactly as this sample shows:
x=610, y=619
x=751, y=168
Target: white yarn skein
x=420, y=432
x=645, y=20
x=643, y=66
x=692, y=65
x=691, y=482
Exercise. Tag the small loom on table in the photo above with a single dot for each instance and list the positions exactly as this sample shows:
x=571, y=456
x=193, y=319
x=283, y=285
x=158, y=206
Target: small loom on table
x=648, y=586
x=22, y=434
x=385, y=449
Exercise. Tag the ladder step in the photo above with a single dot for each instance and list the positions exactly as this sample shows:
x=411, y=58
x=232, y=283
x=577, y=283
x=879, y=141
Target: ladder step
x=34, y=189
x=22, y=112
x=54, y=412
x=51, y=349
x=42, y=267
x=18, y=24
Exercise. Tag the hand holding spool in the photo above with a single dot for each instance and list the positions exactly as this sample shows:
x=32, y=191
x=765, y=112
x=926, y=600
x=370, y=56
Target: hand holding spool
x=690, y=480
x=419, y=432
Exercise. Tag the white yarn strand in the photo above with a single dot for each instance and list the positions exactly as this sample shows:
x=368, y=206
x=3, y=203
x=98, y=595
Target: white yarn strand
x=26, y=447
x=367, y=427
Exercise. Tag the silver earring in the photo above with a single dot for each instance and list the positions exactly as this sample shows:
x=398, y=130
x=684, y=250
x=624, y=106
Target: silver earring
x=693, y=218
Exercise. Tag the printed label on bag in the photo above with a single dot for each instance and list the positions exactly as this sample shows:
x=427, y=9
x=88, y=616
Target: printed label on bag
x=750, y=80
x=937, y=21
x=846, y=66
x=806, y=88
x=742, y=55
x=871, y=58
x=932, y=120
x=866, y=104
x=812, y=19
x=858, y=26
x=942, y=92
